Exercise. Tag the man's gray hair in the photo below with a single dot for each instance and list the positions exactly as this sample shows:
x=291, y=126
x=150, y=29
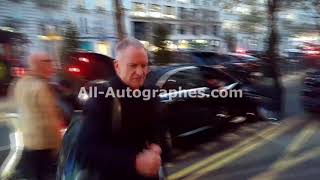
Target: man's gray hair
x=126, y=43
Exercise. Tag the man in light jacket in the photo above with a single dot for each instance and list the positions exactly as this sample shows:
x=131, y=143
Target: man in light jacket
x=39, y=120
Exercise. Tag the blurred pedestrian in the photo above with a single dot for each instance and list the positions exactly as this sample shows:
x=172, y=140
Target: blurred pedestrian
x=39, y=120
x=127, y=149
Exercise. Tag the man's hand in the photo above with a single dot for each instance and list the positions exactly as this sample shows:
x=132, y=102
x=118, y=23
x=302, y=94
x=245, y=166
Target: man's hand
x=149, y=161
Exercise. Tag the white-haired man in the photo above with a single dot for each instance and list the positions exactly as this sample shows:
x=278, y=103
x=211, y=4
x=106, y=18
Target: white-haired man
x=132, y=152
x=39, y=119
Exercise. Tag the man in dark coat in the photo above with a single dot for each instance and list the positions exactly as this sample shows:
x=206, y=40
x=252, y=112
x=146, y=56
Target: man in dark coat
x=131, y=153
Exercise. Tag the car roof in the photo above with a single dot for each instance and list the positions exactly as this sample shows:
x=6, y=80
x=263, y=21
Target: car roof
x=240, y=55
x=82, y=53
x=158, y=77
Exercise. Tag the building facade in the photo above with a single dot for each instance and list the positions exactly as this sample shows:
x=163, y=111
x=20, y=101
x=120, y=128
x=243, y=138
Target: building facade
x=44, y=23
x=191, y=23
x=295, y=26
x=232, y=23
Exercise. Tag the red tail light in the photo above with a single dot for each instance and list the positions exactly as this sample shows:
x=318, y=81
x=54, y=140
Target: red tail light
x=74, y=69
x=18, y=72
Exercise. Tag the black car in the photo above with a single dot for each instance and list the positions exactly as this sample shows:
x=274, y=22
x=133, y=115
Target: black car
x=204, y=58
x=310, y=95
x=244, y=67
x=82, y=68
x=186, y=114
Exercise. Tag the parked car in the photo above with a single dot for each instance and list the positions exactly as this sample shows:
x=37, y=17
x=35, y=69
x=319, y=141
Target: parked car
x=252, y=72
x=244, y=67
x=187, y=114
x=197, y=58
x=241, y=66
x=82, y=68
x=310, y=95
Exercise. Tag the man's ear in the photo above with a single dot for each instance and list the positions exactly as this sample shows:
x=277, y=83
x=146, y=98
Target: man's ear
x=116, y=65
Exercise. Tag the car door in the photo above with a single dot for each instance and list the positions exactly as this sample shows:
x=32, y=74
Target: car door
x=186, y=112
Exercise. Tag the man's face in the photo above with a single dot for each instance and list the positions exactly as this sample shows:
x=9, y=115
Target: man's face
x=46, y=68
x=132, y=67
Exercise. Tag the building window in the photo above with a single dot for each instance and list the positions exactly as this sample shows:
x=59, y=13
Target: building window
x=100, y=5
x=204, y=30
x=84, y=25
x=171, y=28
x=169, y=10
x=194, y=30
x=138, y=7
x=215, y=30
x=213, y=15
x=47, y=3
x=205, y=14
x=205, y=3
x=140, y=30
x=81, y=4
x=182, y=12
x=155, y=10
x=182, y=30
x=195, y=2
x=195, y=14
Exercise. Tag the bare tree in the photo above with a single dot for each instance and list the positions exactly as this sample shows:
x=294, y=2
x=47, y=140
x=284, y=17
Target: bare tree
x=118, y=16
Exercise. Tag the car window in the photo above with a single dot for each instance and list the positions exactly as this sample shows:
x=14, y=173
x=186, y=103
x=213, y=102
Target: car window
x=196, y=78
x=186, y=79
x=214, y=78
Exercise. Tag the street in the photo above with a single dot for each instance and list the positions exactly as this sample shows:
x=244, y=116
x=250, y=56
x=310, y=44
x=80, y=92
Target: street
x=286, y=149
x=262, y=150
x=255, y=151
